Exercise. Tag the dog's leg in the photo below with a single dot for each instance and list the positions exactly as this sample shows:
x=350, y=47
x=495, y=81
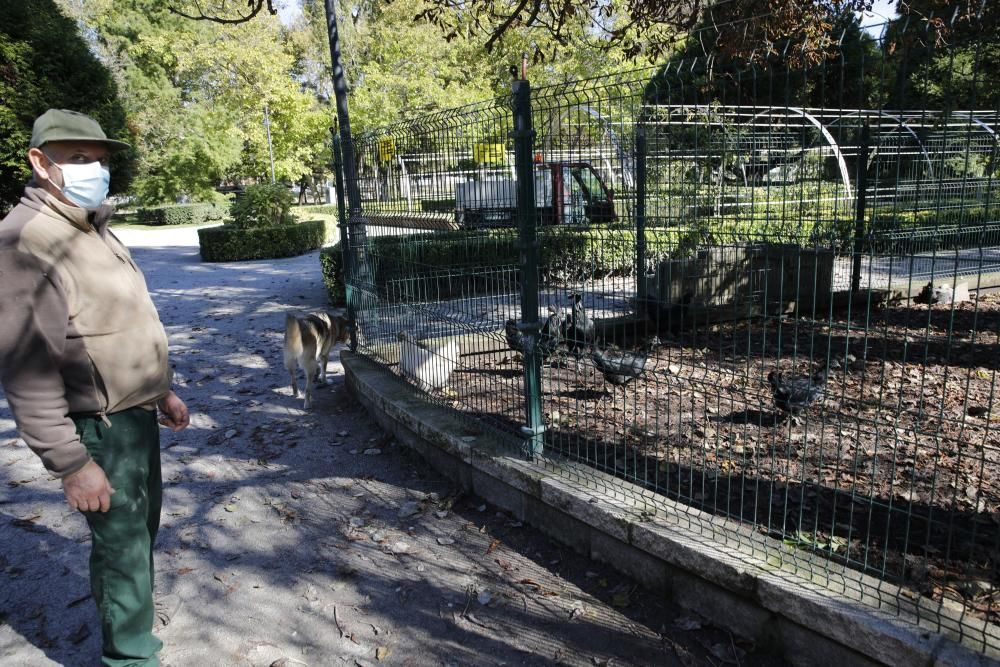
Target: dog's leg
x=293, y=348
x=324, y=359
x=309, y=366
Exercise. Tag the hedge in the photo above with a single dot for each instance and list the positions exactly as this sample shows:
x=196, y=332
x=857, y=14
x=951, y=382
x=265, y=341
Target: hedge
x=228, y=244
x=444, y=264
x=181, y=214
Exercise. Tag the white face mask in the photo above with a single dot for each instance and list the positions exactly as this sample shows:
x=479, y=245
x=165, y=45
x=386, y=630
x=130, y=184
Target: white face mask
x=86, y=185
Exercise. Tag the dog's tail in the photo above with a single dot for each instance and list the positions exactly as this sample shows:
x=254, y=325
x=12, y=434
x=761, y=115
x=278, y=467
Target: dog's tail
x=293, y=341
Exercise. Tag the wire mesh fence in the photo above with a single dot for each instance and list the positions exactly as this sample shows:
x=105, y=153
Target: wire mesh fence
x=767, y=293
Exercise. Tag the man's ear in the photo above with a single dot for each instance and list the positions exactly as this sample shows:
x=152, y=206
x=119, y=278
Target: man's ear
x=39, y=164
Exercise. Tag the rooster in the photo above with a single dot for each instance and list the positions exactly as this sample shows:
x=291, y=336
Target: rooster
x=549, y=336
x=578, y=329
x=620, y=368
x=794, y=392
x=430, y=368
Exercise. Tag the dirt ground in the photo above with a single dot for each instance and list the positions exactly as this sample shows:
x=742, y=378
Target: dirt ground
x=895, y=472
x=312, y=538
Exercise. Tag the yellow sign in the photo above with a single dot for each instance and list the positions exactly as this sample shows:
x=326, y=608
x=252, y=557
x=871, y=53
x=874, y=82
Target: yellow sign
x=489, y=154
x=386, y=149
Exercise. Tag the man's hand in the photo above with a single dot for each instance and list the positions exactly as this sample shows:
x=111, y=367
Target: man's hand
x=174, y=414
x=88, y=489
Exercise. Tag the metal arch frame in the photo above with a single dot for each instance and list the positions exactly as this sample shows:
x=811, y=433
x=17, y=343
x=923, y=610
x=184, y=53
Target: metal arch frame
x=844, y=175
x=989, y=130
x=902, y=123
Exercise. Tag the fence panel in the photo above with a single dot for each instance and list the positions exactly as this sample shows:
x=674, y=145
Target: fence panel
x=766, y=292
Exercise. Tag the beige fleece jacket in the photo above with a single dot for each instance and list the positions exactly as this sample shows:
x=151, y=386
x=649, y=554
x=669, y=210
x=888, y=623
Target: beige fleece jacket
x=78, y=330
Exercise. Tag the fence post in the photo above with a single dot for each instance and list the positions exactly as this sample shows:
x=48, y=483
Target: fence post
x=524, y=138
x=640, y=215
x=861, y=204
x=345, y=250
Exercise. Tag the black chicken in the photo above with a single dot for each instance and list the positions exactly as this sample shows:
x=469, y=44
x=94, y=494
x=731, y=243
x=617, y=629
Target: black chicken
x=549, y=336
x=620, y=368
x=578, y=329
x=794, y=392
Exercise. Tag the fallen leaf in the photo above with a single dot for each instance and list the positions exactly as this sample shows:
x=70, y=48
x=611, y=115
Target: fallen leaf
x=687, y=623
x=382, y=652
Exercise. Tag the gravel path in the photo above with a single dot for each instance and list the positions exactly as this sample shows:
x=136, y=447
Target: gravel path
x=311, y=538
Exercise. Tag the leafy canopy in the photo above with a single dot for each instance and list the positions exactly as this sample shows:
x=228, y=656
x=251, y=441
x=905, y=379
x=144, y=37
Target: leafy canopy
x=45, y=63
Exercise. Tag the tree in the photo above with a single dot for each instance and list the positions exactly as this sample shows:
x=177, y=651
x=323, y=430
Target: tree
x=45, y=63
x=850, y=79
x=945, y=55
x=649, y=29
x=195, y=93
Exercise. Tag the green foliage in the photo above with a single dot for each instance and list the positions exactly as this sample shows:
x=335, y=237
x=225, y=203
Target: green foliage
x=469, y=262
x=228, y=243
x=437, y=205
x=181, y=214
x=850, y=80
x=331, y=263
x=262, y=206
x=195, y=95
x=328, y=214
x=45, y=63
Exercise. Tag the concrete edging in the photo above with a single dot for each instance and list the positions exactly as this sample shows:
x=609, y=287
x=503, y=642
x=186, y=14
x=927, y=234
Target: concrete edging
x=792, y=602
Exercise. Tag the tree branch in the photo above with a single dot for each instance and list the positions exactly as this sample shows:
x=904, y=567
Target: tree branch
x=502, y=28
x=255, y=7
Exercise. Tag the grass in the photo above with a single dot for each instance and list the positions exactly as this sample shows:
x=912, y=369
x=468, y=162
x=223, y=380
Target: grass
x=129, y=220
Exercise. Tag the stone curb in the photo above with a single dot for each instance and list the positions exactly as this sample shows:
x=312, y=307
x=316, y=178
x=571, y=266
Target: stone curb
x=798, y=604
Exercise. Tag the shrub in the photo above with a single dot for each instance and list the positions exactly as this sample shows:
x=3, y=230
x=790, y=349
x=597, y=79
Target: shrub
x=444, y=264
x=229, y=243
x=262, y=206
x=327, y=214
x=331, y=264
x=437, y=205
x=180, y=214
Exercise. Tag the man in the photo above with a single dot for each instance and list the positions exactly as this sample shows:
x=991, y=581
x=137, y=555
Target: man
x=83, y=363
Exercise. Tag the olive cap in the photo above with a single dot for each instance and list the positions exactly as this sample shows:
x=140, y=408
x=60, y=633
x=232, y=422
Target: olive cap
x=66, y=125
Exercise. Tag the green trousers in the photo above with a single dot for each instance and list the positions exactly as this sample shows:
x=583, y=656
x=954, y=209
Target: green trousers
x=121, y=556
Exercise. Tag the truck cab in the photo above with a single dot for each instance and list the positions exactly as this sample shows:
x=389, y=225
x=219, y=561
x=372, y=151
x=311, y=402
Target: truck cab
x=565, y=193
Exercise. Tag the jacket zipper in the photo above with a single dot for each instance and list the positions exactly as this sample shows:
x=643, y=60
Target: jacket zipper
x=103, y=412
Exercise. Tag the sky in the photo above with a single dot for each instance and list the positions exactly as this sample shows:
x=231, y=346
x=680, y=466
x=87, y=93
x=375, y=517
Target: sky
x=288, y=10
x=882, y=12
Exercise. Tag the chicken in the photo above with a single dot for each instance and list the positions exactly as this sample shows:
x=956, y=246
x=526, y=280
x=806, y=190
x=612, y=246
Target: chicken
x=430, y=368
x=578, y=329
x=549, y=336
x=620, y=368
x=794, y=392
x=515, y=339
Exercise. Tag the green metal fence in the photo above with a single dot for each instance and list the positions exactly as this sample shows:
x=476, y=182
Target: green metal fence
x=767, y=293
